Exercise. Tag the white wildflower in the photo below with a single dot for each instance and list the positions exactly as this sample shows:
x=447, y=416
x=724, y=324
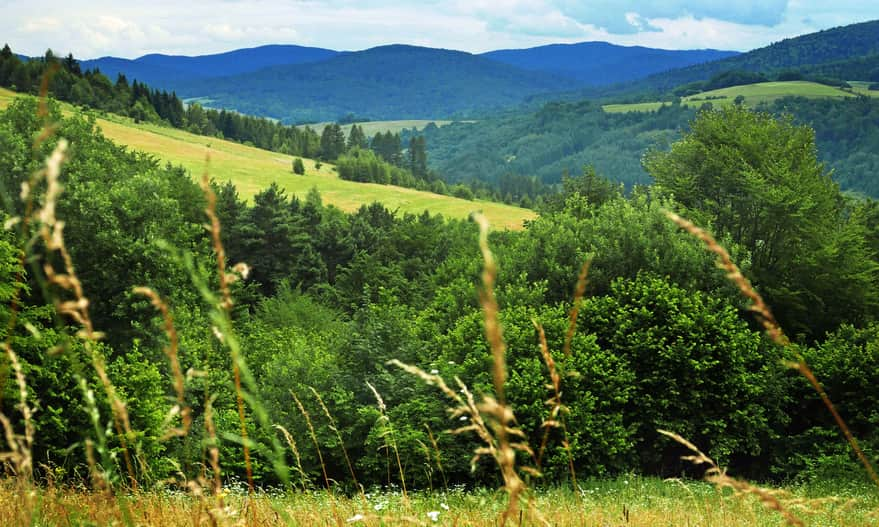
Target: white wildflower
x=433, y=515
x=355, y=518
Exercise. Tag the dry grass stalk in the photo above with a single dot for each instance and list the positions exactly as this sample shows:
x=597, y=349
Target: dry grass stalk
x=503, y=419
x=213, y=452
x=758, y=306
x=390, y=432
x=773, y=329
x=51, y=231
x=579, y=291
x=320, y=457
x=718, y=477
x=335, y=429
x=467, y=407
x=493, y=329
x=171, y=352
x=226, y=305
x=20, y=445
x=557, y=409
x=436, y=452
x=292, y=444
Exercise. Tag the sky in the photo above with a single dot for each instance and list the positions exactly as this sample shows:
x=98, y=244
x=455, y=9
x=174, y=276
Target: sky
x=133, y=28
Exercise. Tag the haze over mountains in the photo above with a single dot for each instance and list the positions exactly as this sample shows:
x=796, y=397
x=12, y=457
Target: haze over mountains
x=295, y=83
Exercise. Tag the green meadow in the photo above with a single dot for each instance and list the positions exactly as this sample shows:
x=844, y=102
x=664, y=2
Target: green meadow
x=754, y=94
x=253, y=169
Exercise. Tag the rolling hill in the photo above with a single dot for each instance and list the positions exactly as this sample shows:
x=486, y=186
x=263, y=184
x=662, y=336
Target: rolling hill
x=252, y=169
x=386, y=82
x=169, y=71
x=601, y=63
x=807, y=51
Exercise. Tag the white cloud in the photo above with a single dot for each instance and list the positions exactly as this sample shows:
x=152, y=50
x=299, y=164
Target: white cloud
x=130, y=29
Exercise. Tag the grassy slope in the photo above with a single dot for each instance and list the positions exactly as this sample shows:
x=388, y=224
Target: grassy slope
x=753, y=94
x=252, y=169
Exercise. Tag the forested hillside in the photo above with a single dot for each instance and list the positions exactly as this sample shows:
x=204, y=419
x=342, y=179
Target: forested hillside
x=388, y=82
x=563, y=137
x=805, y=52
x=601, y=63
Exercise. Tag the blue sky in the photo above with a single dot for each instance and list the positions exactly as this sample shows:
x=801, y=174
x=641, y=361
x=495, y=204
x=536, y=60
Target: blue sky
x=130, y=28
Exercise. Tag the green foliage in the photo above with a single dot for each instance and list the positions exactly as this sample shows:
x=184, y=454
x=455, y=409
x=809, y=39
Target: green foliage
x=698, y=369
x=136, y=100
x=758, y=180
x=558, y=139
x=846, y=363
x=332, y=142
x=298, y=166
x=732, y=78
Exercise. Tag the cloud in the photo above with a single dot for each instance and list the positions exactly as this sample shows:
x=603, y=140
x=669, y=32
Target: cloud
x=612, y=14
x=131, y=29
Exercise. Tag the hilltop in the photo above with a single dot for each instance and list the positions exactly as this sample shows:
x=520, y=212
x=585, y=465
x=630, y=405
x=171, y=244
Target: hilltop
x=169, y=71
x=602, y=63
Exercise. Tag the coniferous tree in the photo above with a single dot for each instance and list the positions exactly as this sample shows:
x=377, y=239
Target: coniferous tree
x=418, y=157
x=356, y=138
x=332, y=142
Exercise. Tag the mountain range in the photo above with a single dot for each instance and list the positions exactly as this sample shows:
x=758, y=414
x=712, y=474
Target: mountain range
x=297, y=84
x=168, y=71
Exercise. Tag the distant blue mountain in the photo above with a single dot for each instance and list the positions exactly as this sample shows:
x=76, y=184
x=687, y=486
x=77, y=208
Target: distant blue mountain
x=169, y=71
x=601, y=63
x=240, y=60
x=386, y=82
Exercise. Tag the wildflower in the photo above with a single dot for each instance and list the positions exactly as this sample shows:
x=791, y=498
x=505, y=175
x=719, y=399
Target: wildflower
x=355, y=518
x=444, y=507
x=433, y=515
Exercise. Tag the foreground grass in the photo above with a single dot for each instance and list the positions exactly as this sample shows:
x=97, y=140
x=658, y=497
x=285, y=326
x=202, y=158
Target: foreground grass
x=754, y=94
x=252, y=170
x=627, y=500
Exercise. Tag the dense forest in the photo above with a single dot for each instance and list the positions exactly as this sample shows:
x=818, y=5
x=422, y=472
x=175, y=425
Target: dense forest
x=663, y=339
x=91, y=89
x=562, y=137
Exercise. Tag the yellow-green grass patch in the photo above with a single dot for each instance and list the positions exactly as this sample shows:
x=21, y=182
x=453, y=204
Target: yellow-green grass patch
x=253, y=169
x=754, y=94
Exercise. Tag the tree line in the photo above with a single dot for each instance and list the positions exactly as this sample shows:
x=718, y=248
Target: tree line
x=92, y=89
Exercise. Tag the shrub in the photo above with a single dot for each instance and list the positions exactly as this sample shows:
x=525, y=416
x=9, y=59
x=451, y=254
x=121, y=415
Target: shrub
x=298, y=166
